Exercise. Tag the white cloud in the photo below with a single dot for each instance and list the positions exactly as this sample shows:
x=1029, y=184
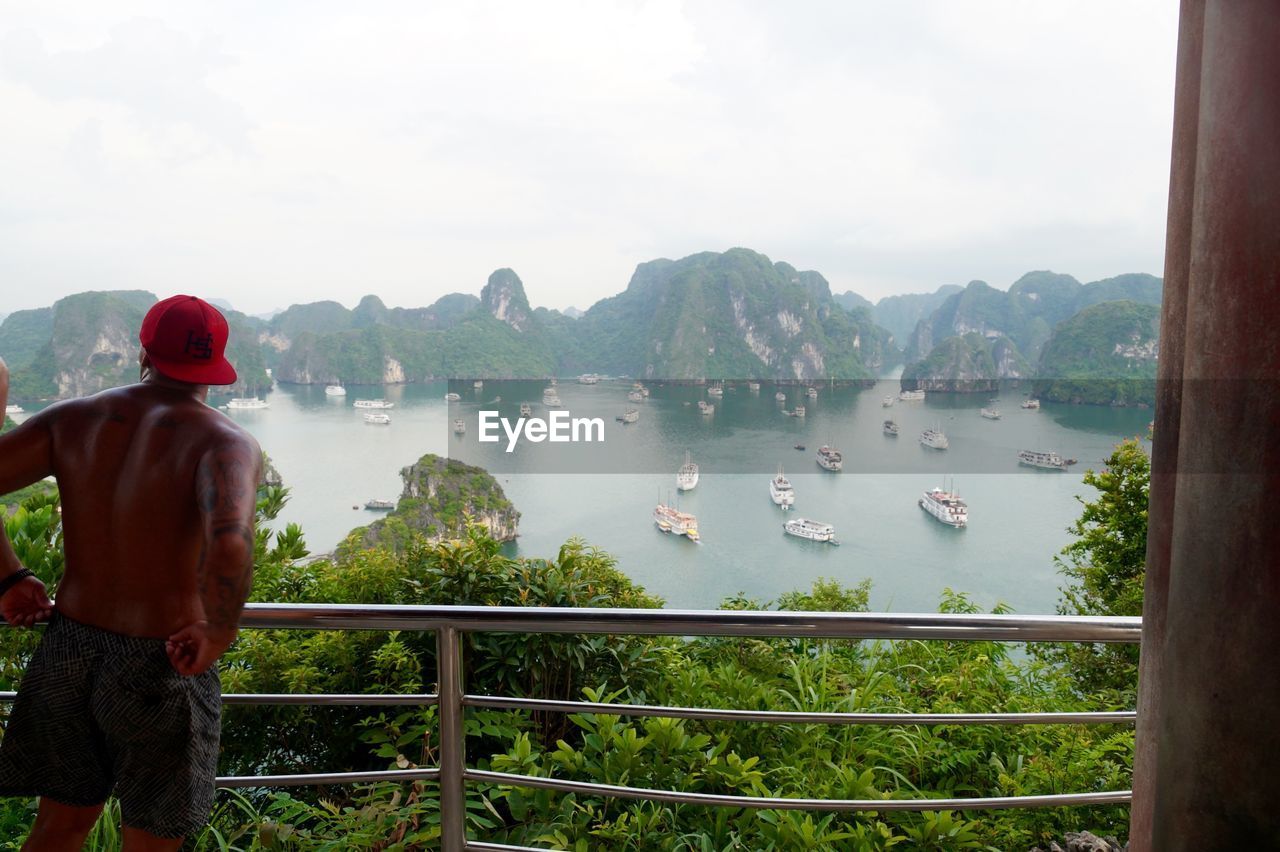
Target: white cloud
x=272, y=153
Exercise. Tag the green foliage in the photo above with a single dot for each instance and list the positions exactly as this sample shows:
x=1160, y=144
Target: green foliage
x=1105, y=569
x=1081, y=362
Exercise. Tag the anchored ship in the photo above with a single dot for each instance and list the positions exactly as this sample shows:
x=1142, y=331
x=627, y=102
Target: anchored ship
x=378, y=418
x=946, y=506
x=934, y=438
x=372, y=403
x=812, y=530
x=991, y=413
x=911, y=395
x=780, y=490
x=631, y=415
x=687, y=475
x=891, y=428
x=249, y=402
x=672, y=520
x=1031, y=403
x=829, y=458
x=335, y=390
x=1048, y=461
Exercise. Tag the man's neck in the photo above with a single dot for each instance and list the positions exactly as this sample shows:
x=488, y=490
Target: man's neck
x=155, y=380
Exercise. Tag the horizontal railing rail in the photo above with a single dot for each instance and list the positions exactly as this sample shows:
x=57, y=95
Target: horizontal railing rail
x=450, y=623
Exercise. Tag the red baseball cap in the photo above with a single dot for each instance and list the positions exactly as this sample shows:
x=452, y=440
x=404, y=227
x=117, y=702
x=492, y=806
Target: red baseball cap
x=186, y=338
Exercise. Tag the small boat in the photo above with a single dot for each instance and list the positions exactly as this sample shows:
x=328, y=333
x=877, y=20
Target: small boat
x=687, y=475
x=335, y=390
x=378, y=418
x=14, y=409
x=631, y=415
x=829, y=458
x=1046, y=461
x=373, y=403
x=934, y=438
x=799, y=412
x=754, y=387
x=716, y=390
x=588, y=379
x=812, y=530
x=672, y=520
x=635, y=395
x=526, y=410
x=991, y=413
x=459, y=426
x=946, y=506
x=780, y=396
x=452, y=397
x=888, y=402
x=379, y=505
x=812, y=393
x=249, y=402
x=550, y=398
x=891, y=428
x=800, y=447
x=780, y=490
x=1031, y=404
x=706, y=407
x=911, y=395
x=477, y=384
x=495, y=400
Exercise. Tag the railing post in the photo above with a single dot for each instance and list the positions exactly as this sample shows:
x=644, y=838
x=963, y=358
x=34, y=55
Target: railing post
x=453, y=746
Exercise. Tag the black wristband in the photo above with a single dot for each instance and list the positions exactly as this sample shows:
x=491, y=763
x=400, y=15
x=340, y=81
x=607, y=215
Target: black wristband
x=13, y=579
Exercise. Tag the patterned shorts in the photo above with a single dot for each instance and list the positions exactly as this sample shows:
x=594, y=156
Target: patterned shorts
x=97, y=713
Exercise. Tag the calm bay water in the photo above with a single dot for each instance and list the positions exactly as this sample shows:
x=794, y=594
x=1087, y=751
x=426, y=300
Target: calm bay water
x=332, y=460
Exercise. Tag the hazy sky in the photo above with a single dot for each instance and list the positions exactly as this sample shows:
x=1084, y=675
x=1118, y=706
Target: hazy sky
x=280, y=152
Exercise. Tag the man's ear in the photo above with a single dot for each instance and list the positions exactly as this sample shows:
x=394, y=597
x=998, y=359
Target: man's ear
x=144, y=365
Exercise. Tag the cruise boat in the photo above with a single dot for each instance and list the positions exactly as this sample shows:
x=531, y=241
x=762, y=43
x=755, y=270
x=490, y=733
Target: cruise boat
x=780, y=396
x=378, y=418
x=829, y=458
x=812, y=393
x=911, y=395
x=706, y=407
x=631, y=415
x=373, y=403
x=379, y=505
x=550, y=398
x=991, y=413
x=588, y=379
x=14, y=409
x=635, y=395
x=1048, y=461
x=888, y=402
x=781, y=491
x=335, y=390
x=526, y=410
x=812, y=530
x=452, y=397
x=250, y=402
x=671, y=520
x=946, y=506
x=934, y=438
x=891, y=428
x=1031, y=403
x=459, y=426
x=716, y=390
x=687, y=475
x=754, y=387
x=477, y=384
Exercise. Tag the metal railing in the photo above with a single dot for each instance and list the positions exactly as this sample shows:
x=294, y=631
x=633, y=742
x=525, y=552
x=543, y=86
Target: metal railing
x=451, y=623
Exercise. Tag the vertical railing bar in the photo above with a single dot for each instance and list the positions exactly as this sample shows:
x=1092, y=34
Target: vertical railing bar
x=453, y=757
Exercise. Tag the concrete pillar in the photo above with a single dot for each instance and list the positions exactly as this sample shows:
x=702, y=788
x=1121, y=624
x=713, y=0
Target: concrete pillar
x=1216, y=779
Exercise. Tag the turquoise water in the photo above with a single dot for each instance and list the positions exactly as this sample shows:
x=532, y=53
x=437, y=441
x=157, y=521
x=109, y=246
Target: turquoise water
x=333, y=460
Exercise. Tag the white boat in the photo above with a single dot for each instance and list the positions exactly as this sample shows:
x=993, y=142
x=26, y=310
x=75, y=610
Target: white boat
x=946, y=506
x=672, y=520
x=799, y=412
x=687, y=475
x=812, y=393
x=378, y=418
x=477, y=384
x=372, y=403
x=888, y=402
x=911, y=395
x=754, y=387
x=1048, y=461
x=550, y=398
x=706, y=407
x=716, y=390
x=635, y=395
x=588, y=379
x=250, y=402
x=526, y=410
x=452, y=397
x=812, y=530
x=14, y=409
x=991, y=413
x=335, y=390
x=1031, y=403
x=642, y=389
x=780, y=396
x=379, y=505
x=459, y=426
x=934, y=438
x=829, y=458
x=631, y=415
x=891, y=428
x=781, y=491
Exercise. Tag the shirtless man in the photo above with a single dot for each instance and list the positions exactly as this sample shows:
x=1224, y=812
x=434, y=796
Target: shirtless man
x=158, y=496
